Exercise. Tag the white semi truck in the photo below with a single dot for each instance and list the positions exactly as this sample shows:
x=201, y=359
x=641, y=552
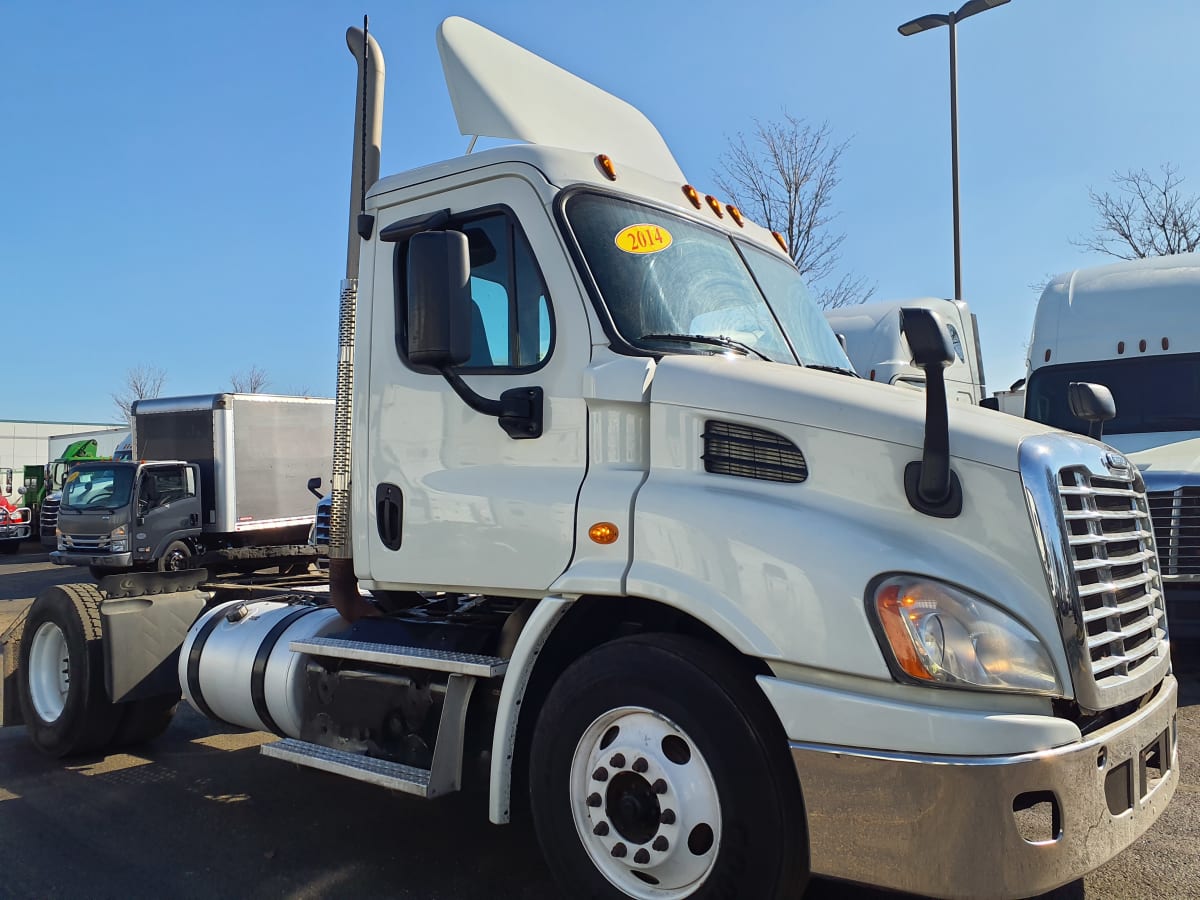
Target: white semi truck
x=644, y=556
x=1132, y=326
x=875, y=343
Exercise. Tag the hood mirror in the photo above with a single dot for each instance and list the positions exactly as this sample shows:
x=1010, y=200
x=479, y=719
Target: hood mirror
x=1093, y=403
x=929, y=484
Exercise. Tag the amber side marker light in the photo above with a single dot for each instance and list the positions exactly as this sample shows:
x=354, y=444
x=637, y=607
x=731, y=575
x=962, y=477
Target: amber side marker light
x=780, y=241
x=692, y=194
x=604, y=533
x=715, y=205
x=607, y=167
x=892, y=607
x=736, y=215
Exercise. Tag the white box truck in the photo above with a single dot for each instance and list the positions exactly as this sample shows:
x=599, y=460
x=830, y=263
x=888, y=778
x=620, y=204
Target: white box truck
x=879, y=351
x=1135, y=328
x=646, y=559
x=215, y=478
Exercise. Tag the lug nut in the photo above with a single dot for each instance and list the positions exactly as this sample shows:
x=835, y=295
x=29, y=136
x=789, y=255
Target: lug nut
x=619, y=851
x=640, y=765
x=660, y=844
x=642, y=857
x=601, y=774
x=601, y=829
x=667, y=817
x=659, y=786
x=593, y=800
x=618, y=761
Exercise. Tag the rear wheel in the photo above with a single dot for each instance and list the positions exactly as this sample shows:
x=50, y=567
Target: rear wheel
x=658, y=771
x=61, y=675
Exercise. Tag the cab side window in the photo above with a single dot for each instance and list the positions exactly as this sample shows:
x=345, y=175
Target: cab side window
x=511, y=326
x=161, y=486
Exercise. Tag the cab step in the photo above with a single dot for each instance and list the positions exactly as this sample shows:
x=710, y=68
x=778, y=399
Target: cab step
x=381, y=772
x=409, y=657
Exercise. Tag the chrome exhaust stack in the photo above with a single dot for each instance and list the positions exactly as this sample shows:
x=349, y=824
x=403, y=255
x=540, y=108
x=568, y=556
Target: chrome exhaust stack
x=368, y=131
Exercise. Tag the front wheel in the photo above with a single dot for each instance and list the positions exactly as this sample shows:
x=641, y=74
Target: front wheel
x=176, y=558
x=61, y=675
x=658, y=771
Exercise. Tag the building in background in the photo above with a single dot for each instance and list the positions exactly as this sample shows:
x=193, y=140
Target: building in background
x=27, y=444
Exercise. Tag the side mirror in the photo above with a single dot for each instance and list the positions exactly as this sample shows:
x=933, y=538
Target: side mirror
x=314, y=485
x=439, y=298
x=841, y=339
x=1093, y=403
x=21, y=490
x=929, y=484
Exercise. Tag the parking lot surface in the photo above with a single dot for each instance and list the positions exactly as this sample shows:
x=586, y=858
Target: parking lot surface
x=200, y=813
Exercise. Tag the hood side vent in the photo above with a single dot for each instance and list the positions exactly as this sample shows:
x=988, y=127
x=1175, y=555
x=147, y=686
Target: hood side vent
x=745, y=452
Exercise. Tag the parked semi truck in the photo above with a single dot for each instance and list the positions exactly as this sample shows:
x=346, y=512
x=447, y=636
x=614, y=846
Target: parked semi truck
x=215, y=474
x=1133, y=327
x=879, y=351
x=645, y=557
x=14, y=523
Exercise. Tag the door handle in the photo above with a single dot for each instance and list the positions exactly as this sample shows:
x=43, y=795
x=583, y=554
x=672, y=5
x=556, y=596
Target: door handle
x=389, y=515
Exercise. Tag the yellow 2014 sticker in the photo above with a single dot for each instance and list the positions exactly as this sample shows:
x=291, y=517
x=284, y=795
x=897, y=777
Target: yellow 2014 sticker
x=643, y=238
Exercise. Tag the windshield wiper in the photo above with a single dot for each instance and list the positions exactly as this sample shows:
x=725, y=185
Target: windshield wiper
x=840, y=370
x=720, y=341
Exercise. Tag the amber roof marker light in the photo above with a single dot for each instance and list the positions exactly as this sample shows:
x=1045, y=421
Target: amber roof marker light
x=715, y=205
x=693, y=195
x=605, y=164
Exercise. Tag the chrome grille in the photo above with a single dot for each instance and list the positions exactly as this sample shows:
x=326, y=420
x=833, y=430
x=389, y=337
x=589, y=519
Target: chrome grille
x=1176, y=516
x=49, y=517
x=732, y=449
x=87, y=541
x=1116, y=579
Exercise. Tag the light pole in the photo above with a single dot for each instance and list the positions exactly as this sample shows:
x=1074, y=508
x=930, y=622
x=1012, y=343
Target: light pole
x=925, y=23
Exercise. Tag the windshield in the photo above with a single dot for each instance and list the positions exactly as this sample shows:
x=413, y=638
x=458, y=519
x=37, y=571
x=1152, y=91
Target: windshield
x=664, y=280
x=1152, y=393
x=105, y=487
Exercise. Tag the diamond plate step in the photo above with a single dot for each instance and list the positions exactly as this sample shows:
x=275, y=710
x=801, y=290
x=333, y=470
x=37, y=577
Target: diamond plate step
x=411, y=657
x=394, y=776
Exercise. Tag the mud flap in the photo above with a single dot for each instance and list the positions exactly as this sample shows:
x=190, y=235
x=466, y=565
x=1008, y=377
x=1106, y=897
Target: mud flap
x=10, y=652
x=142, y=638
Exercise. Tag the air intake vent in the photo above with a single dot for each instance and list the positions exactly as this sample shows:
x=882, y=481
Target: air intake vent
x=746, y=452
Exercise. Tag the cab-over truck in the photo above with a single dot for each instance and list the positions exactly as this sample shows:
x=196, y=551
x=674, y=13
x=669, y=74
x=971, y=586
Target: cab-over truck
x=644, y=556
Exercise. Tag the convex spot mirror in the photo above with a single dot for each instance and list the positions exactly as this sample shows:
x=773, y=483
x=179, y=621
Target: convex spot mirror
x=439, y=297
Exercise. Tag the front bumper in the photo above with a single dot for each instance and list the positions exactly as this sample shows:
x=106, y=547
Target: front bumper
x=103, y=560
x=946, y=826
x=14, y=532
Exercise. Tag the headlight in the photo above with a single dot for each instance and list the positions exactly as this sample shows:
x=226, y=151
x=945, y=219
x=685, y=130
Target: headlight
x=117, y=540
x=933, y=633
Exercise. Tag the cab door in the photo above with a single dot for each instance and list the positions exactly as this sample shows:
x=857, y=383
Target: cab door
x=167, y=507
x=453, y=500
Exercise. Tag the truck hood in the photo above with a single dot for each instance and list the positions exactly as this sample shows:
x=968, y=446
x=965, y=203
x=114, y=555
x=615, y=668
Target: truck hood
x=839, y=403
x=1167, y=459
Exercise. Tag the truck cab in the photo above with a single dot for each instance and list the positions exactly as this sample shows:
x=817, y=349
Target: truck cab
x=120, y=515
x=879, y=351
x=1132, y=327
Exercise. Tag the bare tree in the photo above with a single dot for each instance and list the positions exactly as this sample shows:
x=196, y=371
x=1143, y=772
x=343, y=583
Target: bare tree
x=1145, y=216
x=783, y=176
x=252, y=381
x=141, y=382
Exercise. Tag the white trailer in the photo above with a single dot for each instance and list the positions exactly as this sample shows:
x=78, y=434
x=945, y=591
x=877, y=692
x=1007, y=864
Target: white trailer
x=1134, y=327
x=645, y=556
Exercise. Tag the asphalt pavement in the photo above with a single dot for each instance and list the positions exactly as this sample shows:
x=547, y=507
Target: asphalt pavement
x=199, y=813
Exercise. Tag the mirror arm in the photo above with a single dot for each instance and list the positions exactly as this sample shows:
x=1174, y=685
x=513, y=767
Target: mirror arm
x=519, y=410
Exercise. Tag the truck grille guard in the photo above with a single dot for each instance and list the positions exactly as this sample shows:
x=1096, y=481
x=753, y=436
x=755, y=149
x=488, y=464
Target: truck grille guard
x=1092, y=520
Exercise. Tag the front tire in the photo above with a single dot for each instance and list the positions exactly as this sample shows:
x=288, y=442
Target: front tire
x=658, y=770
x=176, y=558
x=61, y=675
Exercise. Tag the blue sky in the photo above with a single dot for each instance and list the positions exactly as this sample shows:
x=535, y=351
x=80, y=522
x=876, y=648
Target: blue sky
x=174, y=177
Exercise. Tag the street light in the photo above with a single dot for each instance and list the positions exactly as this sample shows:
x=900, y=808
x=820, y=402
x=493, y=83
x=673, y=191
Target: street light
x=925, y=23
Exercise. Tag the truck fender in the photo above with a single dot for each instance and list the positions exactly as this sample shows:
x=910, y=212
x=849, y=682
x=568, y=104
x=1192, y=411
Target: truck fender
x=142, y=638
x=187, y=535
x=532, y=639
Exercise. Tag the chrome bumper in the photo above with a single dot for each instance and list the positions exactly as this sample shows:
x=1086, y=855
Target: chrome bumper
x=946, y=826
x=14, y=532
x=104, y=560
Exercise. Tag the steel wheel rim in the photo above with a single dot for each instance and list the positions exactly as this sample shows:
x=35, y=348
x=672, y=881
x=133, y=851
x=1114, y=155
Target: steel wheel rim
x=645, y=804
x=49, y=672
x=176, y=560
